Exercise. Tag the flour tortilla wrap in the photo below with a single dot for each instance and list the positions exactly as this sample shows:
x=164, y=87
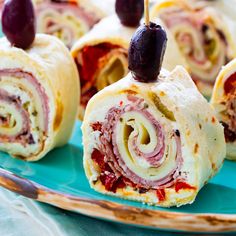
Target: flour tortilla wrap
x=39, y=93
x=69, y=19
x=205, y=34
x=224, y=102
x=109, y=42
x=157, y=143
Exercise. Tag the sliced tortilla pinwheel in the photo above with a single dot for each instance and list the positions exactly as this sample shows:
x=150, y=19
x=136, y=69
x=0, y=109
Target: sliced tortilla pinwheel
x=224, y=102
x=204, y=33
x=67, y=19
x=36, y=113
x=158, y=143
x=101, y=57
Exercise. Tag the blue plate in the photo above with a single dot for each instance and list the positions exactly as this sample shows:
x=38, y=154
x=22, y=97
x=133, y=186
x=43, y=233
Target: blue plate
x=59, y=179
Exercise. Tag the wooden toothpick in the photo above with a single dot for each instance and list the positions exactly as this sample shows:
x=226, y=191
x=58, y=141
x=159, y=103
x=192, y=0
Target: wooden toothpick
x=146, y=12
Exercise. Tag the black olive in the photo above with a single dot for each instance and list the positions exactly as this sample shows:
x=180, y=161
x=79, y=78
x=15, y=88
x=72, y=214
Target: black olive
x=18, y=22
x=130, y=12
x=146, y=52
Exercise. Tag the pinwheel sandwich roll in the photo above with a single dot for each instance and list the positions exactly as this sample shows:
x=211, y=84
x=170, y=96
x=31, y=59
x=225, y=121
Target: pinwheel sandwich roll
x=101, y=57
x=204, y=34
x=224, y=102
x=39, y=93
x=68, y=20
x=157, y=143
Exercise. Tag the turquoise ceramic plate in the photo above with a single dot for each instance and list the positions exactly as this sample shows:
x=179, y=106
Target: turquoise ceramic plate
x=59, y=179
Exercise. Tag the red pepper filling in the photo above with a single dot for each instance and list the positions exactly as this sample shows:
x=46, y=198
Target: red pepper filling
x=90, y=56
x=230, y=92
x=230, y=84
x=72, y=2
x=96, y=126
x=107, y=176
x=112, y=183
x=182, y=185
x=161, y=194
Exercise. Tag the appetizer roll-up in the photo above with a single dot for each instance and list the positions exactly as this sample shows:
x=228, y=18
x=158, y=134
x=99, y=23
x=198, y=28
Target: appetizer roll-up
x=101, y=57
x=67, y=19
x=224, y=102
x=158, y=143
x=39, y=93
x=203, y=35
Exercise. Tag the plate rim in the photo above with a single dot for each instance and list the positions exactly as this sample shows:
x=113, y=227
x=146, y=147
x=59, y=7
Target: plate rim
x=117, y=212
